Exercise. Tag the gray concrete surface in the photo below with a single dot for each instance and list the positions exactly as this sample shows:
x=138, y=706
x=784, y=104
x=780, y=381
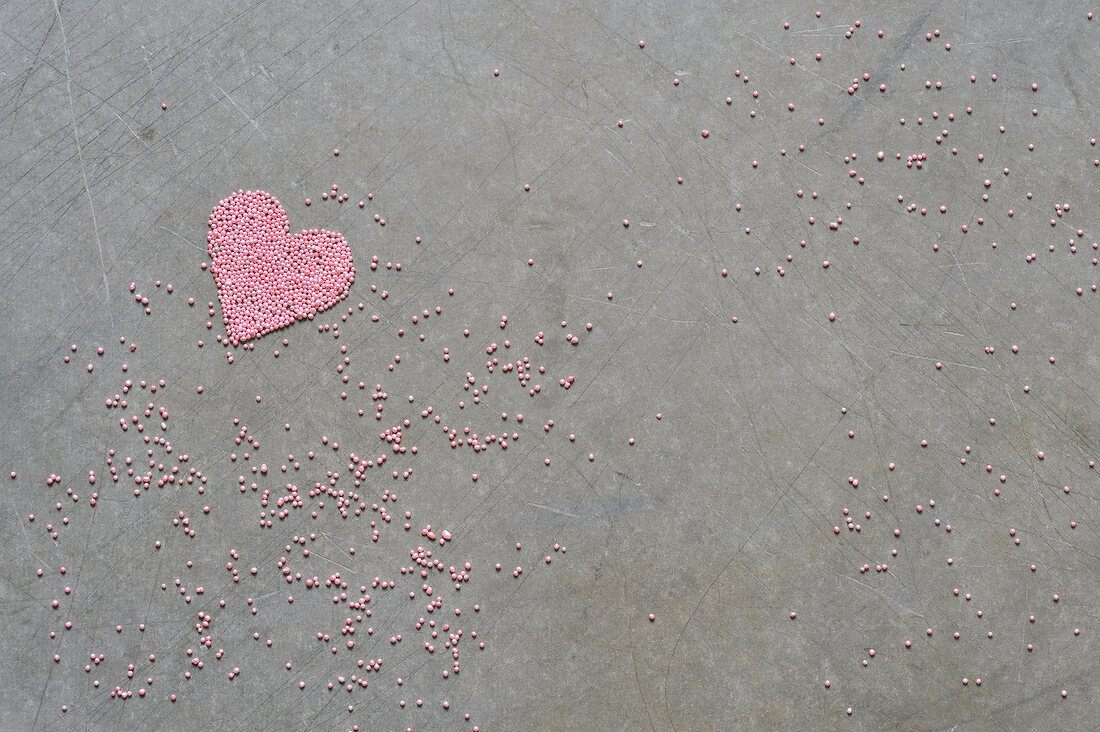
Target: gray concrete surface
x=718, y=520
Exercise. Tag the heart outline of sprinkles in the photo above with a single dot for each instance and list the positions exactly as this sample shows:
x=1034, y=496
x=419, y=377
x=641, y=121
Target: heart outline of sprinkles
x=266, y=277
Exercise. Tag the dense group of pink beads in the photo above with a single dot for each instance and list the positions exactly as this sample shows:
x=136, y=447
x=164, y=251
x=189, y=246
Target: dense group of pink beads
x=266, y=278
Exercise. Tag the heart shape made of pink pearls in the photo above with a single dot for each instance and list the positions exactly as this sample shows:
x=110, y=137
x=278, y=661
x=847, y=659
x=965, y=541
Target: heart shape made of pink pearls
x=266, y=277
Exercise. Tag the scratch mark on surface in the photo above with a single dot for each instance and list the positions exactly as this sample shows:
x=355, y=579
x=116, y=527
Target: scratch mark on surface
x=181, y=236
x=131, y=129
x=553, y=510
x=80, y=154
x=886, y=597
x=238, y=108
x=929, y=358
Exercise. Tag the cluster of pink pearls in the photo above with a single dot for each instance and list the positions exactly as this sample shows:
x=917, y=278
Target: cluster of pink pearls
x=266, y=278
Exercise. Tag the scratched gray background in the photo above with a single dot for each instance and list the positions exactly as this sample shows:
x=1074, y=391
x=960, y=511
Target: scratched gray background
x=719, y=520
